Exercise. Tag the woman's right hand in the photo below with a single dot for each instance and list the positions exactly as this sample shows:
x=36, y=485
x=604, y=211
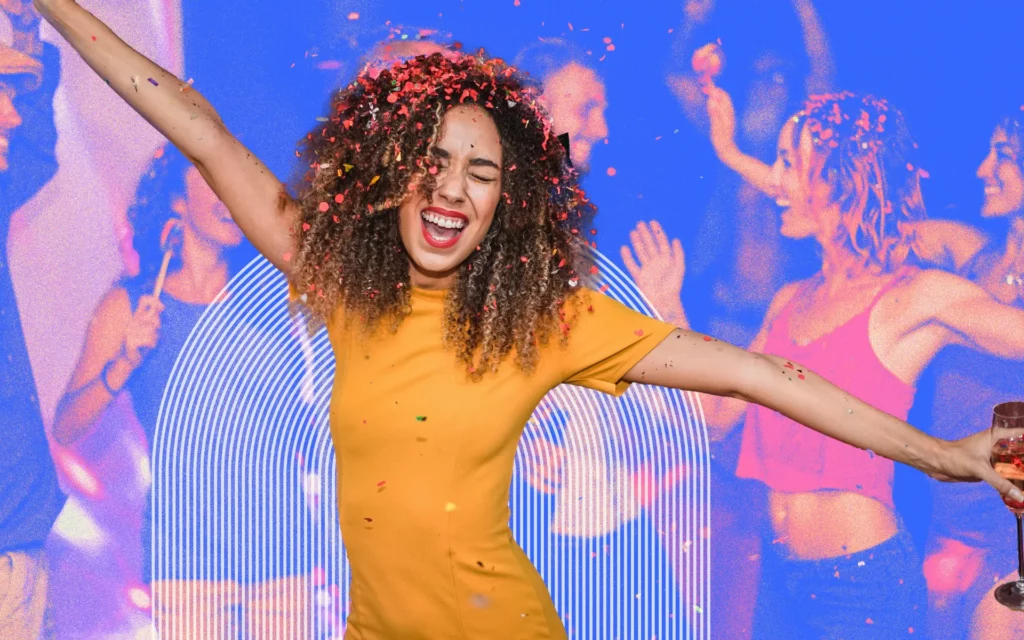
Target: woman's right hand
x=659, y=267
x=143, y=330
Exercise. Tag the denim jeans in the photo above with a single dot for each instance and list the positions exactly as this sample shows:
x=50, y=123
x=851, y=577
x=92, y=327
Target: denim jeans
x=875, y=594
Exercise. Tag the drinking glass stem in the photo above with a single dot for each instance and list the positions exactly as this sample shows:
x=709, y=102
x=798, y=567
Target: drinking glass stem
x=1020, y=553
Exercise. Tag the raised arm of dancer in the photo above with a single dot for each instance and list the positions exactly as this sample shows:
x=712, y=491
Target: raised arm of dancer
x=256, y=198
x=688, y=360
x=723, y=138
x=971, y=315
x=822, y=72
x=658, y=268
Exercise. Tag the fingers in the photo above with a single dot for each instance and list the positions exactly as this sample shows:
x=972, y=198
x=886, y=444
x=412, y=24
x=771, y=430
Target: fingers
x=678, y=255
x=1005, y=488
x=639, y=246
x=660, y=239
x=149, y=305
x=631, y=265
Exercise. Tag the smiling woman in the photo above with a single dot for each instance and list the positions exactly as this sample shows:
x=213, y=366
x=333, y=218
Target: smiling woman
x=398, y=167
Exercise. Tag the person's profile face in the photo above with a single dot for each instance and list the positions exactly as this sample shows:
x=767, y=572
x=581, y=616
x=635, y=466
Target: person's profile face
x=9, y=120
x=442, y=230
x=1001, y=176
x=574, y=97
x=204, y=214
x=803, y=197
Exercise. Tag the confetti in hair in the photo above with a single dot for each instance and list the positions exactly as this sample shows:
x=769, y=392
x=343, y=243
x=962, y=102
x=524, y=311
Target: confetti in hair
x=861, y=146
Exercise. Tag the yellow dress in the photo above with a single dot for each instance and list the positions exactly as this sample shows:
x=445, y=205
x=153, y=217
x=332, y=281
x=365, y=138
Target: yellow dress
x=425, y=460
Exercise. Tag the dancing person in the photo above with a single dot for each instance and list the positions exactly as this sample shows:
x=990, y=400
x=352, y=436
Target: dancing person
x=410, y=173
x=870, y=322
x=135, y=337
x=30, y=498
x=970, y=541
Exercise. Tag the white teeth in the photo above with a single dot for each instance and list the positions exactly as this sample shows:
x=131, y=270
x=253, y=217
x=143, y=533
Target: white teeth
x=441, y=221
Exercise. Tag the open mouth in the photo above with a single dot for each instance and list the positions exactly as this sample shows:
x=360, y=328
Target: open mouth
x=442, y=228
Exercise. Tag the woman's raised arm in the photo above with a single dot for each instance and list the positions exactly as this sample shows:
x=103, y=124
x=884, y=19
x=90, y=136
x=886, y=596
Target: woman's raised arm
x=257, y=200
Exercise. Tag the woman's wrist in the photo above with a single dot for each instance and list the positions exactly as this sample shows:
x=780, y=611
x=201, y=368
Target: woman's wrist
x=115, y=374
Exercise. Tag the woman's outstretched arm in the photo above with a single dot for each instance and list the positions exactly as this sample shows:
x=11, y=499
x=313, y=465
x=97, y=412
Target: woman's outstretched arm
x=257, y=200
x=687, y=360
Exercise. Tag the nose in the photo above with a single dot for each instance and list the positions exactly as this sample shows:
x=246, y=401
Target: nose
x=451, y=186
x=776, y=178
x=9, y=118
x=985, y=168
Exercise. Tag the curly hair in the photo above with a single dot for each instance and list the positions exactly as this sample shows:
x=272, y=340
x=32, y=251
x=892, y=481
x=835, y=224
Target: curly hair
x=373, y=149
x=863, y=150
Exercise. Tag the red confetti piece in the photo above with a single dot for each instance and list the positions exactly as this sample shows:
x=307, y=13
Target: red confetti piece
x=639, y=332
x=611, y=171
x=604, y=288
x=393, y=98
x=324, y=207
x=432, y=170
x=339, y=198
x=800, y=375
x=707, y=338
x=594, y=270
x=287, y=257
x=869, y=621
x=381, y=483
x=353, y=16
x=94, y=38
x=305, y=226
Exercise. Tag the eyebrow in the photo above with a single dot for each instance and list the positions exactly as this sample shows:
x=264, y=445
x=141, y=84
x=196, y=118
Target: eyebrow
x=475, y=162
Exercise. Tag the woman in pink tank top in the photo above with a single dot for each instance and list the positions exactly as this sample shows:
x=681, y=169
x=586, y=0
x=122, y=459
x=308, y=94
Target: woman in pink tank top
x=836, y=560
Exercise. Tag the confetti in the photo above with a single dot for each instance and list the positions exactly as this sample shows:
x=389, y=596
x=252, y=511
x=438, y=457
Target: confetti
x=353, y=16
x=449, y=507
x=154, y=82
x=374, y=180
x=382, y=483
x=421, y=418
x=339, y=198
x=707, y=338
x=611, y=171
x=639, y=332
x=324, y=207
x=94, y=38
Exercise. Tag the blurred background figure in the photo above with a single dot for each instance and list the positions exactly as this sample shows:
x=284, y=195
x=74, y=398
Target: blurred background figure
x=572, y=93
x=30, y=498
x=135, y=337
x=970, y=541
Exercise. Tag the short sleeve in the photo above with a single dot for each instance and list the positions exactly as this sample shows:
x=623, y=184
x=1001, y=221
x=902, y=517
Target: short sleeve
x=607, y=340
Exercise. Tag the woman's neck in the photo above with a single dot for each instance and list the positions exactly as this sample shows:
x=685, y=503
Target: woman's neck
x=839, y=266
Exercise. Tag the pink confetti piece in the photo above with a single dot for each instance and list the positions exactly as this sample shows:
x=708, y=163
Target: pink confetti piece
x=323, y=207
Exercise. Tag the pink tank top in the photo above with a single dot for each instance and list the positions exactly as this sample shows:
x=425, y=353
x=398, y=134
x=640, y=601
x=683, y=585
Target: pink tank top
x=790, y=457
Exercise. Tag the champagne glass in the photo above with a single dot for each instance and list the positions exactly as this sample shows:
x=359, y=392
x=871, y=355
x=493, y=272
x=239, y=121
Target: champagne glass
x=1008, y=461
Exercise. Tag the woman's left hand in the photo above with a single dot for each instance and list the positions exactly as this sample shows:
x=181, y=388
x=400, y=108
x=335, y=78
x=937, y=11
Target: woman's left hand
x=969, y=460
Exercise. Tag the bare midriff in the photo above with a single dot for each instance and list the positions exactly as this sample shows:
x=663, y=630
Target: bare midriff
x=828, y=524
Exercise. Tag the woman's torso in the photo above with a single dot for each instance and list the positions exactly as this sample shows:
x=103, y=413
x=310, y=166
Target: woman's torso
x=828, y=498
